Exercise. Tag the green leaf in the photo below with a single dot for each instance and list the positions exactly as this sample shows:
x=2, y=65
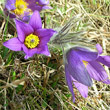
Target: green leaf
x=14, y=75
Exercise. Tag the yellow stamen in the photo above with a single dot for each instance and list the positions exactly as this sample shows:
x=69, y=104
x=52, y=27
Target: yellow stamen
x=85, y=63
x=37, y=3
x=21, y=6
x=31, y=41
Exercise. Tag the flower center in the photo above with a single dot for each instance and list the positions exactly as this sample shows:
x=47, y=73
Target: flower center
x=21, y=6
x=31, y=41
x=85, y=63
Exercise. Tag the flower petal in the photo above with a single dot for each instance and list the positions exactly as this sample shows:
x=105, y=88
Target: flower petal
x=31, y=4
x=43, y=2
x=81, y=88
x=36, y=7
x=86, y=54
x=29, y=52
x=31, y=1
x=13, y=44
x=69, y=82
x=25, y=49
x=23, y=30
x=10, y=4
x=39, y=5
x=43, y=50
x=46, y=7
x=97, y=72
x=76, y=68
x=99, y=48
x=44, y=35
x=35, y=21
x=104, y=60
x=26, y=18
x=7, y=13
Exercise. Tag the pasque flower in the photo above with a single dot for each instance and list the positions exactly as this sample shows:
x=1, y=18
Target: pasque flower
x=32, y=39
x=82, y=65
x=38, y=4
x=24, y=8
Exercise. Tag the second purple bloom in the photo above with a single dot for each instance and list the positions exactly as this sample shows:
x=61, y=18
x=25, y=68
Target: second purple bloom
x=83, y=65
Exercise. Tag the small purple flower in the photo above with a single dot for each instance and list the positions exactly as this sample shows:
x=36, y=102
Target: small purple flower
x=82, y=65
x=32, y=39
x=24, y=8
x=38, y=4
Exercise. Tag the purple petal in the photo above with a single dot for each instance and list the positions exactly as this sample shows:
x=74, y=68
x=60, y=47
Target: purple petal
x=23, y=30
x=31, y=4
x=35, y=21
x=41, y=5
x=31, y=1
x=25, y=49
x=77, y=69
x=104, y=60
x=29, y=52
x=99, y=48
x=69, y=83
x=85, y=54
x=46, y=7
x=81, y=88
x=26, y=18
x=11, y=15
x=26, y=57
x=43, y=2
x=10, y=4
x=13, y=44
x=43, y=50
x=36, y=7
x=44, y=35
x=97, y=72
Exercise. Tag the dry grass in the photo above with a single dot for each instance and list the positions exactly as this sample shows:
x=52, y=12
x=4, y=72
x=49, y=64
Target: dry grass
x=39, y=82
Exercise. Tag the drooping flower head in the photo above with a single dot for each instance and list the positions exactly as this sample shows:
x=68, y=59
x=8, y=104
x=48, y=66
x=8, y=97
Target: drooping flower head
x=31, y=39
x=24, y=8
x=82, y=65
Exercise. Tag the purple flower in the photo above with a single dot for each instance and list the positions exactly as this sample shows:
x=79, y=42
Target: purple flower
x=24, y=8
x=82, y=65
x=38, y=4
x=32, y=39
